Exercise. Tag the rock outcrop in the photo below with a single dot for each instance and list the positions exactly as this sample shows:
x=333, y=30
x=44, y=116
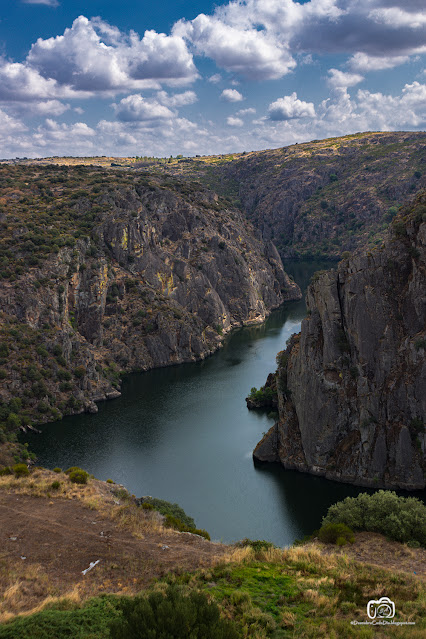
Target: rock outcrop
x=122, y=273
x=352, y=383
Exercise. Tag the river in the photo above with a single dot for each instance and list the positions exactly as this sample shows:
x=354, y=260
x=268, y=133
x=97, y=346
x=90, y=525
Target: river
x=184, y=434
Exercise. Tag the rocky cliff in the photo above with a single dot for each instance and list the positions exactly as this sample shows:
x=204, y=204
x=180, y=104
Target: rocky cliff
x=321, y=198
x=352, y=383
x=104, y=272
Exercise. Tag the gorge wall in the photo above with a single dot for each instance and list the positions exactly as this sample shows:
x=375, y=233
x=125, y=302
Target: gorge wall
x=104, y=273
x=320, y=198
x=352, y=383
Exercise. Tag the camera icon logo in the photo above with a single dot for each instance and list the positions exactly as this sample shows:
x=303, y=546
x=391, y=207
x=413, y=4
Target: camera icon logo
x=382, y=608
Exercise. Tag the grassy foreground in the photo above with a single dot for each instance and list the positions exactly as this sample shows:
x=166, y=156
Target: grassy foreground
x=308, y=591
x=297, y=592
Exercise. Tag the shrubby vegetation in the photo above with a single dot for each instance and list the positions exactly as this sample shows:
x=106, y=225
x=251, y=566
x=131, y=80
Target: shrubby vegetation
x=174, y=614
x=265, y=394
x=175, y=516
x=399, y=518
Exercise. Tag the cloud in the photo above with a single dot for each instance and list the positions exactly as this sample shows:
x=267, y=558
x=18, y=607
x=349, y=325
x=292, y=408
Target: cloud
x=364, y=62
x=256, y=54
x=248, y=111
x=48, y=3
x=396, y=17
x=259, y=38
x=22, y=82
x=178, y=99
x=93, y=56
x=43, y=108
x=233, y=121
x=135, y=108
x=214, y=79
x=338, y=78
x=290, y=107
x=231, y=95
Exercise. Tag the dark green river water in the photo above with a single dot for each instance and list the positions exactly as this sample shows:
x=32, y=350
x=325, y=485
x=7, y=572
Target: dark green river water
x=184, y=434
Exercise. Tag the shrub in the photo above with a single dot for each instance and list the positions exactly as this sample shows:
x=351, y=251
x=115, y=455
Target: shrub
x=57, y=469
x=5, y=471
x=339, y=534
x=79, y=372
x=79, y=476
x=55, y=485
x=21, y=470
x=110, y=481
x=167, y=508
x=64, y=375
x=175, y=523
x=399, y=518
x=171, y=615
x=264, y=394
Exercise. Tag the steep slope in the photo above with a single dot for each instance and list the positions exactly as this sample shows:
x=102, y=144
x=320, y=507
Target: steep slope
x=352, y=384
x=324, y=197
x=104, y=272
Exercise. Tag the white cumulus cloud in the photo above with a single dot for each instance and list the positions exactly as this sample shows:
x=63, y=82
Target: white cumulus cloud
x=364, y=62
x=233, y=121
x=93, y=56
x=231, y=95
x=135, y=108
x=290, y=107
x=338, y=78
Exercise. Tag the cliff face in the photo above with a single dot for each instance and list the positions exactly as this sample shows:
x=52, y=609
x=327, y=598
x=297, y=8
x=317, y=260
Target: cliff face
x=123, y=274
x=352, y=384
x=320, y=198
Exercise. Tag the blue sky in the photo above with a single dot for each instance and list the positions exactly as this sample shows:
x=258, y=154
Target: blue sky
x=133, y=77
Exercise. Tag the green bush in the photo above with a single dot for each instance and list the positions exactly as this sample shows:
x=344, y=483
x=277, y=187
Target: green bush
x=264, y=394
x=5, y=471
x=57, y=469
x=77, y=475
x=167, y=508
x=21, y=470
x=339, y=534
x=175, y=523
x=399, y=518
x=174, y=615
x=55, y=485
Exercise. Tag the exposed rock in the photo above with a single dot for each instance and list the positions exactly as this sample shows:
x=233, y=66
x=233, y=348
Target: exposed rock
x=324, y=197
x=352, y=387
x=132, y=274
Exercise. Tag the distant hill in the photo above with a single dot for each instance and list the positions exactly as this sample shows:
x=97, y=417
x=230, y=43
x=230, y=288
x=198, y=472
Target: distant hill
x=320, y=198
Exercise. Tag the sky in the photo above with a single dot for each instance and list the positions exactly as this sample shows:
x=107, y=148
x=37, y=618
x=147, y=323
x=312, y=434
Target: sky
x=144, y=78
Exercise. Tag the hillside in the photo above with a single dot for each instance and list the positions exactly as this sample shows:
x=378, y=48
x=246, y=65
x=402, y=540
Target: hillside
x=104, y=272
x=313, y=590
x=319, y=198
x=352, y=383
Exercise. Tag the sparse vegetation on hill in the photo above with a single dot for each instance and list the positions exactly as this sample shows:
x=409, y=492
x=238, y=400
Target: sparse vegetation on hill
x=108, y=271
x=320, y=198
